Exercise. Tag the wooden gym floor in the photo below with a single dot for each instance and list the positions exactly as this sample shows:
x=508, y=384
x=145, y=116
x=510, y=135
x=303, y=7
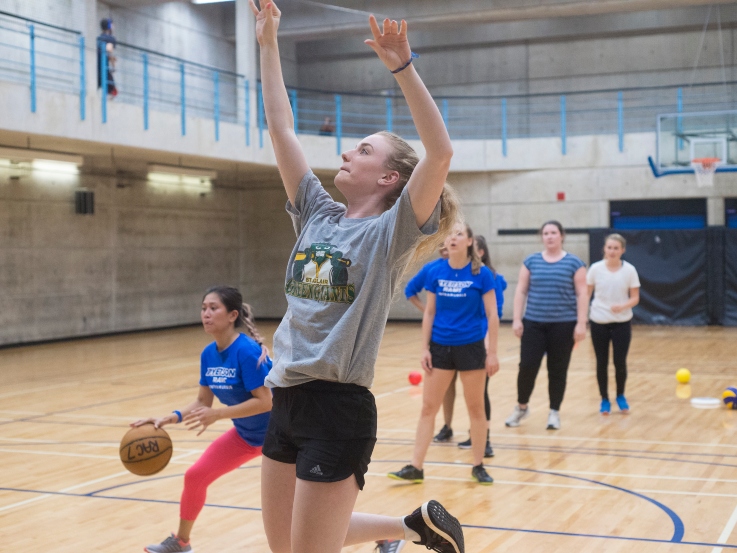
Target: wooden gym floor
x=661, y=479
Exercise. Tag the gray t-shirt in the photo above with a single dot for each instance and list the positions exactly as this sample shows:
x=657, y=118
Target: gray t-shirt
x=340, y=280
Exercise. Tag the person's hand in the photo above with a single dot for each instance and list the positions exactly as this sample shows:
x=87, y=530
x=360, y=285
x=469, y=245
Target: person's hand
x=391, y=44
x=579, y=333
x=617, y=308
x=518, y=328
x=426, y=361
x=201, y=417
x=267, y=21
x=158, y=423
x=492, y=364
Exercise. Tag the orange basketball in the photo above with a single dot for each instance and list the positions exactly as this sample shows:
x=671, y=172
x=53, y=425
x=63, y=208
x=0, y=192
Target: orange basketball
x=145, y=450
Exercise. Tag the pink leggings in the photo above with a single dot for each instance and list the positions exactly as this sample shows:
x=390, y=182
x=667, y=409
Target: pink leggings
x=225, y=454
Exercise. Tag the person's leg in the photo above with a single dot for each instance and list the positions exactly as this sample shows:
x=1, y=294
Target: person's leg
x=559, y=348
x=621, y=338
x=473, y=382
x=433, y=391
x=278, y=482
x=449, y=402
x=226, y=453
x=532, y=350
x=487, y=402
x=600, y=340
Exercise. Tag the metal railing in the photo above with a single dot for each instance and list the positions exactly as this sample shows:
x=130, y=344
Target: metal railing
x=53, y=58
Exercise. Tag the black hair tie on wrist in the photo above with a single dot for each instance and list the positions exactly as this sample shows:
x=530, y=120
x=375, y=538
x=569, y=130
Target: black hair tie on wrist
x=406, y=65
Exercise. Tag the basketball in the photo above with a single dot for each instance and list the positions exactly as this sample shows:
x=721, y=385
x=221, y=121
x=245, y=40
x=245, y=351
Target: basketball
x=415, y=378
x=145, y=450
x=729, y=397
x=683, y=376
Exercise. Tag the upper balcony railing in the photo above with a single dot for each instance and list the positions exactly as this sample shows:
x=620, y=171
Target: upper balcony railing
x=53, y=58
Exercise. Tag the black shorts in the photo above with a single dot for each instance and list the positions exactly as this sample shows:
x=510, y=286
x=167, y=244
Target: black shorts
x=327, y=429
x=468, y=357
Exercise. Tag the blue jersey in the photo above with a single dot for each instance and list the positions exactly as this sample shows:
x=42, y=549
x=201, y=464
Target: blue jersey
x=551, y=297
x=460, y=317
x=232, y=374
x=417, y=282
x=500, y=284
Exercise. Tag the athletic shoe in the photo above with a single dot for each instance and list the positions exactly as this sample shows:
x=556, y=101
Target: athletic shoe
x=479, y=474
x=488, y=451
x=465, y=445
x=606, y=407
x=389, y=546
x=445, y=434
x=409, y=473
x=554, y=420
x=172, y=544
x=622, y=403
x=517, y=416
x=438, y=529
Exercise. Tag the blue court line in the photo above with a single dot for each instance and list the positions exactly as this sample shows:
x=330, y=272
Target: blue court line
x=472, y=526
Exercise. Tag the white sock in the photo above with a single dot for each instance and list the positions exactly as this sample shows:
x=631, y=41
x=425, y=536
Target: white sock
x=409, y=534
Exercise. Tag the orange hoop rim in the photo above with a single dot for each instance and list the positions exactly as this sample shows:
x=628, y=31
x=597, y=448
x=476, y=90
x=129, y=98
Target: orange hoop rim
x=706, y=161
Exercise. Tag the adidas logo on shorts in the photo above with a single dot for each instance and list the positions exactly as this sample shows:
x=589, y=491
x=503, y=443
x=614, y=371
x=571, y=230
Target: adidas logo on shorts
x=316, y=470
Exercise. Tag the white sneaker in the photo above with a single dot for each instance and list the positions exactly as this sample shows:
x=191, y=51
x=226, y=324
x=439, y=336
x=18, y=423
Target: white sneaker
x=554, y=420
x=517, y=415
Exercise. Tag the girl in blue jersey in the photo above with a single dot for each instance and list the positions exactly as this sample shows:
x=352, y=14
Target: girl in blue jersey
x=553, y=284
x=461, y=306
x=232, y=368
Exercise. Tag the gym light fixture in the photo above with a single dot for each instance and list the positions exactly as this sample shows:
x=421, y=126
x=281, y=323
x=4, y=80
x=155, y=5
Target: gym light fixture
x=190, y=177
x=39, y=160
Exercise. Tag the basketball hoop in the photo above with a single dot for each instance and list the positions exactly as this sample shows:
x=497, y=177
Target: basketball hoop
x=704, y=168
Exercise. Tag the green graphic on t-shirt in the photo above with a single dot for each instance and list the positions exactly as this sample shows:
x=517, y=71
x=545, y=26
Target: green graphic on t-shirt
x=316, y=279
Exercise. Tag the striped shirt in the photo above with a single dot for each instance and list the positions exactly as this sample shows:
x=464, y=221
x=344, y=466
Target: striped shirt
x=551, y=297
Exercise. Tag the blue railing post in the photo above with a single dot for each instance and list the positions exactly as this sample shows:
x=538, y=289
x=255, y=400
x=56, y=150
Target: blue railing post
x=295, y=109
x=338, y=123
x=563, y=124
x=260, y=101
x=248, y=113
x=103, y=78
x=82, y=82
x=32, y=33
x=620, y=120
x=444, y=105
x=679, y=120
x=216, y=107
x=183, y=99
x=389, y=115
x=504, y=127
x=145, y=91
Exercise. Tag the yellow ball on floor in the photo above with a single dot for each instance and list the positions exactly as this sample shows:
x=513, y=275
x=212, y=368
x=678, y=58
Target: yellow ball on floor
x=683, y=376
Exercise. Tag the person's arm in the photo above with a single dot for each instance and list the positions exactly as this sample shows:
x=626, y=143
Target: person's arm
x=417, y=302
x=428, y=178
x=290, y=158
x=582, y=303
x=204, y=399
x=520, y=296
x=492, y=336
x=205, y=416
x=428, y=318
x=634, y=300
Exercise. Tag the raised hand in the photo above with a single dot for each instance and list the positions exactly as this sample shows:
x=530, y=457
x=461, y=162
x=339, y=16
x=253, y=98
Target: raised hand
x=390, y=44
x=267, y=21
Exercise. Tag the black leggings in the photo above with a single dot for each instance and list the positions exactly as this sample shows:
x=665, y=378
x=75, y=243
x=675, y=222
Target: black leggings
x=620, y=335
x=555, y=339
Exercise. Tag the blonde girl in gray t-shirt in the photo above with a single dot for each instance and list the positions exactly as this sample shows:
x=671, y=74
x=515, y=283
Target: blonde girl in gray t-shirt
x=345, y=266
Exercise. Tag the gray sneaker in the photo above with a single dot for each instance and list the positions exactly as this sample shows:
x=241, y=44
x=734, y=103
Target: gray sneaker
x=169, y=545
x=554, y=420
x=517, y=416
x=389, y=546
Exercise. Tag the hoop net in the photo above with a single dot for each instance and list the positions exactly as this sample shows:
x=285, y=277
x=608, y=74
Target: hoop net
x=704, y=169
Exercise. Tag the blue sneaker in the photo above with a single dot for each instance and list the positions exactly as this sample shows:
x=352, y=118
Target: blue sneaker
x=622, y=403
x=606, y=407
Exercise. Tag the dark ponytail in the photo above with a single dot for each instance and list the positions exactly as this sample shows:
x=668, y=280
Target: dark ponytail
x=485, y=259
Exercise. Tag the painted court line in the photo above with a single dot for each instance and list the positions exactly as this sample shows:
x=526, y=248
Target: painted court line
x=727, y=531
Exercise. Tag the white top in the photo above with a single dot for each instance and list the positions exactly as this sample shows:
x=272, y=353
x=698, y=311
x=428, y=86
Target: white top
x=611, y=288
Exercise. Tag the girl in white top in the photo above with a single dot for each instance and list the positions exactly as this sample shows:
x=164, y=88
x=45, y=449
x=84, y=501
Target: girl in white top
x=617, y=290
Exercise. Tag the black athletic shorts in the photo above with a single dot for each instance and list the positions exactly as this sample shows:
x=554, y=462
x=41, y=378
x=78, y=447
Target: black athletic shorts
x=468, y=357
x=327, y=429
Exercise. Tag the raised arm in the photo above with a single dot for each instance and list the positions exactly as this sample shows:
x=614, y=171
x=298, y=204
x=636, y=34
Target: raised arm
x=290, y=158
x=427, y=180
